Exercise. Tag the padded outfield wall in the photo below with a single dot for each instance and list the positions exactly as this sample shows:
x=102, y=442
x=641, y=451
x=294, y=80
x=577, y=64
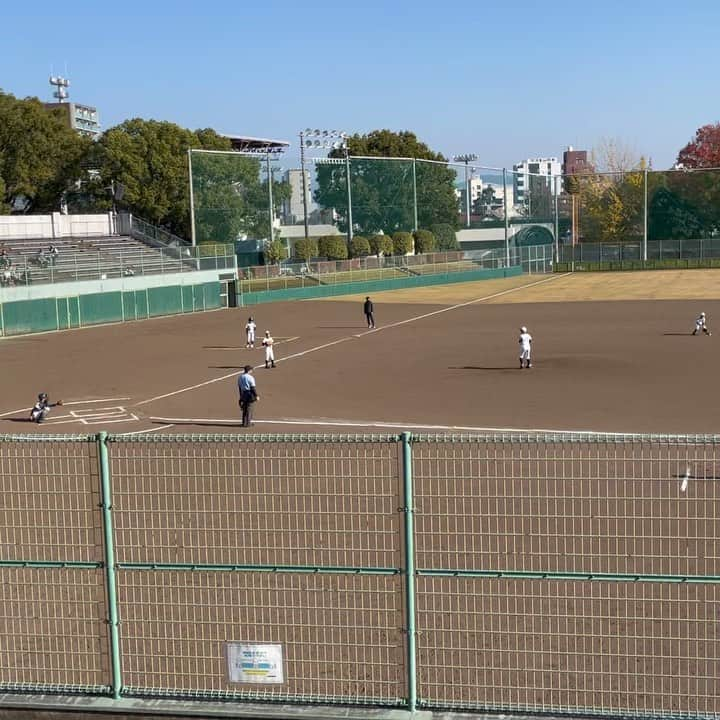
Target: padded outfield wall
x=367, y=286
x=73, y=305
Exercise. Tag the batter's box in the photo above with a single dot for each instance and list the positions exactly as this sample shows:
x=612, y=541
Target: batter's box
x=96, y=416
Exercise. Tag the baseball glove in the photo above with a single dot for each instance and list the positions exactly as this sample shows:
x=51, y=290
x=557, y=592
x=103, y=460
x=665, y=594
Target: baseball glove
x=59, y=402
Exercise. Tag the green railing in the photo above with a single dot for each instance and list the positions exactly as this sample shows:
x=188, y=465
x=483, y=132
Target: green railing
x=559, y=573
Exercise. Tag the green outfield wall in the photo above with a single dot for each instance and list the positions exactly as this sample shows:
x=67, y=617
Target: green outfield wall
x=315, y=291
x=44, y=314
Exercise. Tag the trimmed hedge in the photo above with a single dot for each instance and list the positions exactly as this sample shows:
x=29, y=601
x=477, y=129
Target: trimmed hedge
x=381, y=244
x=359, y=246
x=402, y=243
x=333, y=247
x=305, y=248
x=424, y=242
x=445, y=237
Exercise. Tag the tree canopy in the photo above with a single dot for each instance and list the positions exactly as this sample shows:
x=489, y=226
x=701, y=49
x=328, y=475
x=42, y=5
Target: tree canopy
x=383, y=189
x=149, y=159
x=703, y=151
x=40, y=156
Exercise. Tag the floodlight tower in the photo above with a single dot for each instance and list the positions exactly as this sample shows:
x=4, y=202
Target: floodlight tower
x=62, y=84
x=467, y=158
x=322, y=139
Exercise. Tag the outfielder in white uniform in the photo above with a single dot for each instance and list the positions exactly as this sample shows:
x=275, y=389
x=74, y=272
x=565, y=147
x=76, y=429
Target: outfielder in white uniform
x=701, y=325
x=269, y=353
x=250, y=333
x=525, y=343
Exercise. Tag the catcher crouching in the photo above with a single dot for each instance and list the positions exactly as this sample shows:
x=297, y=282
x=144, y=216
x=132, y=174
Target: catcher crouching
x=42, y=408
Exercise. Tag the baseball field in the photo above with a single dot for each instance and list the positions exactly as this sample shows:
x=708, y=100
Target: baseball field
x=611, y=352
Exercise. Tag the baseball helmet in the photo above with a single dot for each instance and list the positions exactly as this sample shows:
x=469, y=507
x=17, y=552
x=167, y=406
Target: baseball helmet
x=43, y=396
x=523, y=329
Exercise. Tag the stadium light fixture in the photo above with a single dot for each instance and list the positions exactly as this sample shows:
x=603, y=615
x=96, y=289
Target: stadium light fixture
x=466, y=158
x=320, y=139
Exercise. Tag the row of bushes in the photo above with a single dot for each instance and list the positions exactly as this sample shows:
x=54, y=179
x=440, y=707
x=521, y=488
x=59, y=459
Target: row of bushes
x=369, y=263
x=336, y=247
x=672, y=264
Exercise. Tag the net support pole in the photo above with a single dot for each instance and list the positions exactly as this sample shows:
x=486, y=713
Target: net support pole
x=415, y=207
x=113, y=619
x=304, y=187
x=556, y=191
x=192, y=199
x=408, y=502
x=270, y=196
x=505, y=211
x=645, y=215
x=349, y=198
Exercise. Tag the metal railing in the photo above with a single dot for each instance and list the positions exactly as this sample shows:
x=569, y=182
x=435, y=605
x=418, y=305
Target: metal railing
x=555, y=573
x=286, y=275
x=102, y=263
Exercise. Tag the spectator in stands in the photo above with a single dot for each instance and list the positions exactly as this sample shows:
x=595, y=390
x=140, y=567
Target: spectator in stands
x=53, y=252
x=128, y=271
x=4, y=258
x=41, y=258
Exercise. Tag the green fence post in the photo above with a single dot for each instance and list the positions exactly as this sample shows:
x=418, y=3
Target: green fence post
x=113, y=621
x=409, y=502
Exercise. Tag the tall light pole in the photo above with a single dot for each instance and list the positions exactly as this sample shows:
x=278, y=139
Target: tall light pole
x=270, y=155
x=314, y=139
x=467, y=158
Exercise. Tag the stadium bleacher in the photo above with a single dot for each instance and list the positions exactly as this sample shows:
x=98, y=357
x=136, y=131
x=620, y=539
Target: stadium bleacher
x=87, y=258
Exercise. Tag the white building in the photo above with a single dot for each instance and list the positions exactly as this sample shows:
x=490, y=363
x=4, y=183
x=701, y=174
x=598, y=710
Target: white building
x=293, y=211
x=525, y=172
x=476, y=187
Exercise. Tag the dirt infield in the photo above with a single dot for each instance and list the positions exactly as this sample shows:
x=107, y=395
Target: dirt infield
x=629, y=366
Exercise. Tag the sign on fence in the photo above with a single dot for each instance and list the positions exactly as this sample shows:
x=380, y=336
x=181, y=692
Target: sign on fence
x=254, y=663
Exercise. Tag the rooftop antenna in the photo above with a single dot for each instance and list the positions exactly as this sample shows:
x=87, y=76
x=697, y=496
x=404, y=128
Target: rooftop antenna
x=62, y=84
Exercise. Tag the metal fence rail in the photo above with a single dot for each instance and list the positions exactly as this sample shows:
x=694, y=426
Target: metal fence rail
x=527, y=572
x=671, y=249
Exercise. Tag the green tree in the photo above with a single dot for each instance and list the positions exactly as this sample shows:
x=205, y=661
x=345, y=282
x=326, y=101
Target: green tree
x=274, y=251
x=424, y=241
x=148, y=159
x=40, y=156
x=402, y=243
x=381, y=244
x=445, y=236
x=333, y=247
x=485, y=201
x=383, y=189
x=672, y=217
x=305, y=249
x=4, y=207
x=359, y=246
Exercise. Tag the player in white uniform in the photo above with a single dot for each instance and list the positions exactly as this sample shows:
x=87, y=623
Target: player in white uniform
x=250, y=333
x=525, y=343
x=700, y=325
x=269, y=352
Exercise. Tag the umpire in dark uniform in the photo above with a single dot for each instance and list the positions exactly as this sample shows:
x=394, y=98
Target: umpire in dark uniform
x=248, y=395
x=369, y=311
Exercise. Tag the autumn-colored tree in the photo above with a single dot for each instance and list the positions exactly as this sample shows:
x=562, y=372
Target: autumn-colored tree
x=703, y=151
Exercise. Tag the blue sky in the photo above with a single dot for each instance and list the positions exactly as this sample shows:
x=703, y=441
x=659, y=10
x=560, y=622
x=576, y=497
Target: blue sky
x=506, y=81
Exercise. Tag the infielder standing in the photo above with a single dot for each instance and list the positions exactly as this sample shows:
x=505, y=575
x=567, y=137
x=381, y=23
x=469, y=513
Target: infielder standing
x=269, y=352
x=250, y=333
x=369, y=311
x=525, y=343
x=700, y=325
